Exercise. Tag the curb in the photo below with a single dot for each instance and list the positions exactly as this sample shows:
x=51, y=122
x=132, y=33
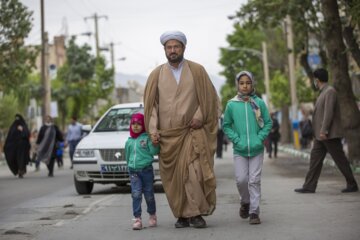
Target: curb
x=305, y=155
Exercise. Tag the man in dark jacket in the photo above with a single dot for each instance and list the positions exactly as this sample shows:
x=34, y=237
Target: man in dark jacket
x=328, y=133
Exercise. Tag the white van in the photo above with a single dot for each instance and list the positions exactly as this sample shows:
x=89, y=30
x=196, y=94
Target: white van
x=100, y=156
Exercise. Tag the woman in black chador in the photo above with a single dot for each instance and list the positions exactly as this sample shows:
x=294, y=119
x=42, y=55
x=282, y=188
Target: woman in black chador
x=17, y=146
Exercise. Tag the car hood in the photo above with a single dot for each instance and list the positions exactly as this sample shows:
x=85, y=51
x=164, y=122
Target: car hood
x=104, y=140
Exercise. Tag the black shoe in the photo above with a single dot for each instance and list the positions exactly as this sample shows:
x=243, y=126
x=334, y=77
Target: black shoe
x=50, y=175
x=198, y=222
x=303, y=190
x=254, y=219
x=350, y=189
x=182, y=222
x=244, y=210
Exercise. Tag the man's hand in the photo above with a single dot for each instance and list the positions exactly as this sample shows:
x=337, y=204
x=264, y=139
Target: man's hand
x=195, y=123
x=155, y=138
x=323, y=136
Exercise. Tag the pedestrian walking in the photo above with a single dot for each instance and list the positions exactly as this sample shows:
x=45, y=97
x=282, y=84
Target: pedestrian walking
x=306, y=130
x=33, y=147
x=181, y=113
x=220, y=139
x=274, y=136
x=59, y=154
x=140, y=153
x=73, y=137
x=17, y=146
x=328, y=133
x=49, y=134
x=247, y=124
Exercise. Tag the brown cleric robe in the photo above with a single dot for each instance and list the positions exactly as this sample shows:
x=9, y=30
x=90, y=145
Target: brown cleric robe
x=186, y=155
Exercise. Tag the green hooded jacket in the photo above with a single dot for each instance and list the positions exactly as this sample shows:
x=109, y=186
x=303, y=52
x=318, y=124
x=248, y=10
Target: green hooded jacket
x=242, y=129
x=140, y=152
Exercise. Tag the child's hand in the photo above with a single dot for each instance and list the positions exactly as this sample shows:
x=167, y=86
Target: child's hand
x=195, y=123
x=155, y=138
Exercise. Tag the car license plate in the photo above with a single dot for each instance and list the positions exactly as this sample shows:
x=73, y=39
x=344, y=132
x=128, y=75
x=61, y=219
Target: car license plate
x=114, y=168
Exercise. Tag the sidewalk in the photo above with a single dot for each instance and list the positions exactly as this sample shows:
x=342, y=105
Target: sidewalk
x=304, y=154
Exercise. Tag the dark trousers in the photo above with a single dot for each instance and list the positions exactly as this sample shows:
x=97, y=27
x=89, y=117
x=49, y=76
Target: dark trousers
x=317, y=156
x=271, y=143
x=50, y=165
x=220, y=143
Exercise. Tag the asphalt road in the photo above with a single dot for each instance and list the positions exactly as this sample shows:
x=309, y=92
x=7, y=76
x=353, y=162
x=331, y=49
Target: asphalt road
x=38, y=207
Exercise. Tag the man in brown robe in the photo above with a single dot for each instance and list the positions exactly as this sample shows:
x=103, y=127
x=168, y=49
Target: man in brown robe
x=181, y=113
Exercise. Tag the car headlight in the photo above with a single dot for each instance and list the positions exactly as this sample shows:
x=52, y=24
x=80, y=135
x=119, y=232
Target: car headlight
x=84, y=153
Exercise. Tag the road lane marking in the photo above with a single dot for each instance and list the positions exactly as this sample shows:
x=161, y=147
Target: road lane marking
x=86, y=210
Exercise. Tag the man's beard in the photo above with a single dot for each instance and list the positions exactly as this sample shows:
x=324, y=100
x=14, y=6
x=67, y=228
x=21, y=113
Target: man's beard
x=175, y=58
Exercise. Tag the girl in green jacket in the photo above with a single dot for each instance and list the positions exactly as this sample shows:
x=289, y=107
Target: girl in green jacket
x=247, y=123
x=140, y=151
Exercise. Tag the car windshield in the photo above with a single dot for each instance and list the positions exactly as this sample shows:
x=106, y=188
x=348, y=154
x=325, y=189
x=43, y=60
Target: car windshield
x=117, y=120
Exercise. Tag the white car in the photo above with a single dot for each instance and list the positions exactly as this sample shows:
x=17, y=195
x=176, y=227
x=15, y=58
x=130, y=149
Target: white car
x=100, y=156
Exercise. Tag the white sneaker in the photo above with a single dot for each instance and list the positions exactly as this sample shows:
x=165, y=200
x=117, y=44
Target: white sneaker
x=153, y=221
x=137, y=225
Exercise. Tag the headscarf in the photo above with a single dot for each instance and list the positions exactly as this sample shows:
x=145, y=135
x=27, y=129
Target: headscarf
x=249, y=97
x=173, y=35
x=139, y=118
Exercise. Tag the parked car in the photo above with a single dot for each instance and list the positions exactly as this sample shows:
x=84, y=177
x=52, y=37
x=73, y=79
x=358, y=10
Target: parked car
x=100, y=155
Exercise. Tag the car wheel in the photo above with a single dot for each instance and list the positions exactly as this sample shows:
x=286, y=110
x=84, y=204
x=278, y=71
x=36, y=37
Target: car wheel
x=83, y=187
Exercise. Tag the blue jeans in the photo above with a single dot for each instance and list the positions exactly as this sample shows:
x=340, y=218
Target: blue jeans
x=142, y=181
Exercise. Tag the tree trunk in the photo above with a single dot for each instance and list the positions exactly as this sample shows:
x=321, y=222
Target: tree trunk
x=285, y=128
x=352, y=44
x=336, y=51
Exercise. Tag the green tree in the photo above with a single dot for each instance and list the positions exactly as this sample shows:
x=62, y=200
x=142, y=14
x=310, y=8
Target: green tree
x=320, y=18
x=8, y=106
x=81, y=82
x=16, y=60
x=350, y=114
x=75, y=78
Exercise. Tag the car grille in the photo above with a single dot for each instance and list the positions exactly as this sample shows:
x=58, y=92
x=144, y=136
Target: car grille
x=112, y=155
x=108, y=175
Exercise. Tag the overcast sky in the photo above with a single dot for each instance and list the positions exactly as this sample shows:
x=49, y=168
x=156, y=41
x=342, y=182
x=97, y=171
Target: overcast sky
x=135, y=27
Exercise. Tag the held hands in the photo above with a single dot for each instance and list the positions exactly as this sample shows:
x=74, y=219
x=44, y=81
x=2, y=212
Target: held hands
x=155, y=138
x=195, y=123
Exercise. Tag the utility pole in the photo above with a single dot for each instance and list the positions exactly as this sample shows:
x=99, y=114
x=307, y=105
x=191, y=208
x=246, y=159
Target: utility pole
x=46, y=85
x=96, y=18
x=112, y=56
x=291, y=59
x=266, y=75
